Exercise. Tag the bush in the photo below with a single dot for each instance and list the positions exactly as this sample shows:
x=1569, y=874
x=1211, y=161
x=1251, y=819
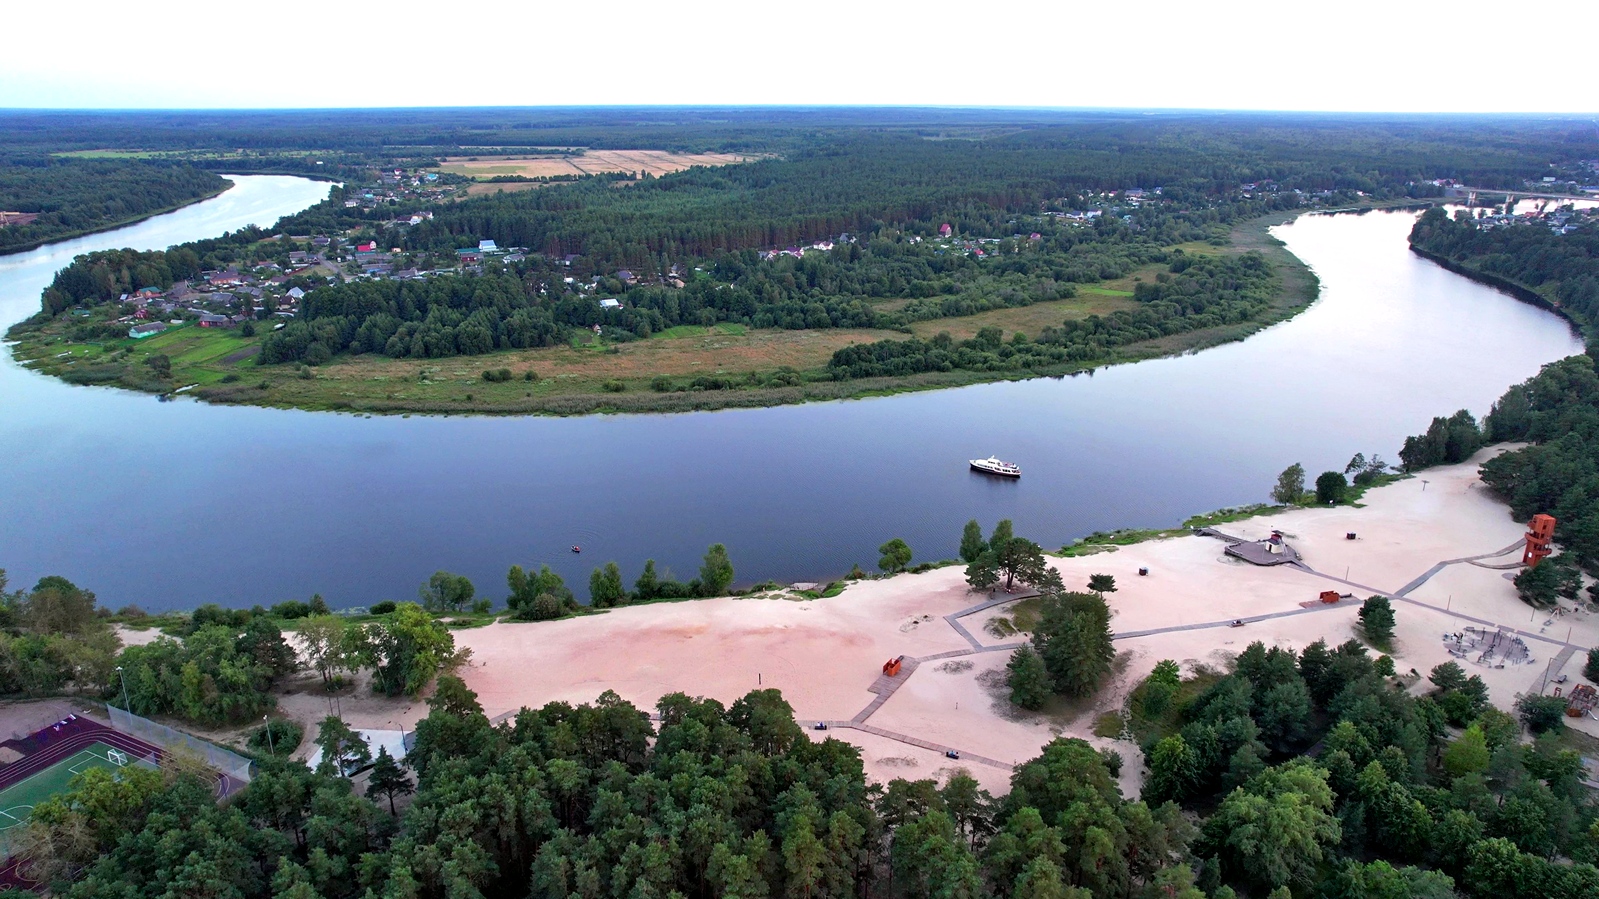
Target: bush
x=134, y=613
x=386, y=607
x=291, y=610
x=495, y=375
x=285, y=737
x=1591, y=670
x=661, y=384
x=1542, y=714
x=530, y=375
x=1331, y=487
x=613, y=386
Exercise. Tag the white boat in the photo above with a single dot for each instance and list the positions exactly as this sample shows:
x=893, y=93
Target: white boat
x=993, y=466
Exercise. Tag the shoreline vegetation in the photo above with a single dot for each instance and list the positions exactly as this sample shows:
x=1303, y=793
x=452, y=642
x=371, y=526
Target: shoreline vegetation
x=122, y=222
x=204, y=365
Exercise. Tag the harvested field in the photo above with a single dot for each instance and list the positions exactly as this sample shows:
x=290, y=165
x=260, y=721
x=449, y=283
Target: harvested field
x=590, y=162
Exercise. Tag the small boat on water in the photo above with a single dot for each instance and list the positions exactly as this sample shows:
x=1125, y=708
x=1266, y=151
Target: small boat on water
x=994, y=466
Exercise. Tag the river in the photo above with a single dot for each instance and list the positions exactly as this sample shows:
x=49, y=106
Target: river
x=169, y=505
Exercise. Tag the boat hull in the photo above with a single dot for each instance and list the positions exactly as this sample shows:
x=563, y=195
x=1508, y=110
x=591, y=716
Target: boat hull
x=1013, y=475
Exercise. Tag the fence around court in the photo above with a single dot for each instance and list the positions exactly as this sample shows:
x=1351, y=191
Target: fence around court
x=232, y=764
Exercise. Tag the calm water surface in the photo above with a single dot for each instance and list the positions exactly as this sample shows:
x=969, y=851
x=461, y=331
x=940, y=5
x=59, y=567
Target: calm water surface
x=174, y=504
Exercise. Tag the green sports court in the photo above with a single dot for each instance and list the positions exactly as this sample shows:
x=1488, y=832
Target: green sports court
x=18, y=800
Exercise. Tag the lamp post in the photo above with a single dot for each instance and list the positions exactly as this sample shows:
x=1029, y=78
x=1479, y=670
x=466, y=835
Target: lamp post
x=124, y=679
x=268, y=728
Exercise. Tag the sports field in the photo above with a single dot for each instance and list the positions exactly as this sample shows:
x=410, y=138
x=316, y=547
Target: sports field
x=17, y=801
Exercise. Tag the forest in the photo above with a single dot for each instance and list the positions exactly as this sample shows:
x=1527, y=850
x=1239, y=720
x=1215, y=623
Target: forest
x=1430, y=797
x=76, y=196
x=1561, y=268
x=1557, y=411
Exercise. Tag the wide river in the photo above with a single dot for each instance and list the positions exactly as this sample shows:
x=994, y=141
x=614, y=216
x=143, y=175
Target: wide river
x=169, y=505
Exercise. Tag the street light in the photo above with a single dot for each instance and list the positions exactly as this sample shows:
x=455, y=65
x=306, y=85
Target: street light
x=124, y=679
x=268, y=727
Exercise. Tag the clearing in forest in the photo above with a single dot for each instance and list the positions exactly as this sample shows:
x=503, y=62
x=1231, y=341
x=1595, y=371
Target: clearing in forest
x=589, y=162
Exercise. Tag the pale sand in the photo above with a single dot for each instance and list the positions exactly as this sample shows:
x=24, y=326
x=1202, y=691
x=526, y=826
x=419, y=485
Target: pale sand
x=824, y=654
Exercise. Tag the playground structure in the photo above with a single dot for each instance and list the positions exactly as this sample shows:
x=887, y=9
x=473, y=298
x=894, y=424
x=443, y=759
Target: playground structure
x=1540, y=534
x=1581, y=701
x=892, y=666
x=1494, y=648
x=1330, y=596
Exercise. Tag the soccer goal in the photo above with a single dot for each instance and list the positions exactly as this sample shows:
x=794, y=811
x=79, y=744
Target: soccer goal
x=117, y=757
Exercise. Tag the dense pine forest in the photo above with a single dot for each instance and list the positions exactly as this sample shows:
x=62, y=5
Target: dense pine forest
x=1400, y=797
x=67, y=197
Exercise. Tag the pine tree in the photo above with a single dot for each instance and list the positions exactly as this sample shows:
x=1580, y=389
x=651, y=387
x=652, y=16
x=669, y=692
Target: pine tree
x=388, y=779
x=972, y=544
x=1377, y=620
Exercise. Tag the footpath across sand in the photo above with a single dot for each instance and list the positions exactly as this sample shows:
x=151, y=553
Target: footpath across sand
x=826, y=654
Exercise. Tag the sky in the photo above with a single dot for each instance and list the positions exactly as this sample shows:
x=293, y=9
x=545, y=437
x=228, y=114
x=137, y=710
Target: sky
x=1345, y=56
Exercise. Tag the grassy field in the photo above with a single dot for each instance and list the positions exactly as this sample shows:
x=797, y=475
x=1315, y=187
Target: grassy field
x=590, y=162
x=1029, y=320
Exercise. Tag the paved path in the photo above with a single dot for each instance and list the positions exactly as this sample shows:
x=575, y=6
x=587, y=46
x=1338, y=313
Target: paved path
x=884, y=687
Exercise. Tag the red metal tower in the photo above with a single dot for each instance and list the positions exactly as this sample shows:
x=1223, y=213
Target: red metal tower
x=1540, y=531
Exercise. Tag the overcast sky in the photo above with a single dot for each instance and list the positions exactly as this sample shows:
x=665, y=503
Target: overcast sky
x=1343, y=55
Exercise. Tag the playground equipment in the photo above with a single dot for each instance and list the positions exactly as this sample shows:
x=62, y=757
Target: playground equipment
x=1581, y=701
x=892, y=666
x=1540, y=533
x=1330, y=596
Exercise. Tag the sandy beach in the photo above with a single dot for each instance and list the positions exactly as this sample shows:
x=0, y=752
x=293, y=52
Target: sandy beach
x=826, y=655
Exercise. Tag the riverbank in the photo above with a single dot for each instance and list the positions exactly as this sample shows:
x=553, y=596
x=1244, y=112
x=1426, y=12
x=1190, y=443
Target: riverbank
x=1415, y=541
x=119, y=223
x=725, y=366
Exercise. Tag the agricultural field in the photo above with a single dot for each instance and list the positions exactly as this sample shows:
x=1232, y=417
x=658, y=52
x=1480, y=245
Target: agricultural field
x=589, y=162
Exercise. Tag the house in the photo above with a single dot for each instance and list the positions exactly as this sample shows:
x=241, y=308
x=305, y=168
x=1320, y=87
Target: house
x=468, y=257
x=212, y=320
x=570, y=258
x=624, y=276
x=139, y=332
x=146, y=294
x=610, y=304
x=945, y=230
x=487, y=246
x=219, y=279
x=367, y=247
x=296, y=294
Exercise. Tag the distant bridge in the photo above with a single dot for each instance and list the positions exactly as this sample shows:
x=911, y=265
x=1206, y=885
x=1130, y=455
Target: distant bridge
x=1470, y=194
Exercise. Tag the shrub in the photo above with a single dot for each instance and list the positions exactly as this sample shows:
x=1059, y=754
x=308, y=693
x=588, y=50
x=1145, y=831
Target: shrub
x=291, y=610
x=385, y=607
x=1542, y=714
x=285, y=737
x=530, y=375
x=613, y=386
x=495, y=375
x=1331, y=487
x=661, y=384
x=483, y=605
x=133, y=613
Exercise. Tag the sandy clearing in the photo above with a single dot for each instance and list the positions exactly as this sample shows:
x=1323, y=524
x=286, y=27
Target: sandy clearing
x=824, y=654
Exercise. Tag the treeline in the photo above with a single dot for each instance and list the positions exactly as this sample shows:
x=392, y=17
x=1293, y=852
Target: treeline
x=1200, y=292
x=53, y=638
x=1388, y=782
x=1562, y=268
x=75, y=196
x=735, y=800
